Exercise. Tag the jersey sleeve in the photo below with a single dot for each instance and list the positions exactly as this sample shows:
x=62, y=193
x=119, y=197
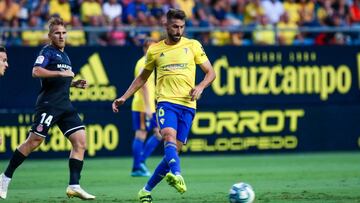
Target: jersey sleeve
x=43, y=59
x=149, y=60
x=199, y=52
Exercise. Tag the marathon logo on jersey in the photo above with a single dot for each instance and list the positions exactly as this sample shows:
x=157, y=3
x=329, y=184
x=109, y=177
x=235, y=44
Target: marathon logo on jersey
x=174, y=66
x=63, y=66
x=99, y=86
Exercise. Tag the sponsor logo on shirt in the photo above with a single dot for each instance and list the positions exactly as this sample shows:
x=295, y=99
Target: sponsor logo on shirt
x=174, y=66
x=63, y=66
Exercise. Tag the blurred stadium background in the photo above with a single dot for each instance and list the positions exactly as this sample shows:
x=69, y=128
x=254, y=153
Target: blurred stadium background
x=283, y=113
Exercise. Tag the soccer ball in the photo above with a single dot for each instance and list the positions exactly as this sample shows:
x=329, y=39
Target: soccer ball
x=241, y=193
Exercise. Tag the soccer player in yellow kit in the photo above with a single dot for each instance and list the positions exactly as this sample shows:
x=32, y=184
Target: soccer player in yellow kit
x=144, y=120
x=174, y=60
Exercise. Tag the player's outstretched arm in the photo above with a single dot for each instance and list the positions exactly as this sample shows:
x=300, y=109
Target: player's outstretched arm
x=137, y=83
x=39, y=72
x=210, y=76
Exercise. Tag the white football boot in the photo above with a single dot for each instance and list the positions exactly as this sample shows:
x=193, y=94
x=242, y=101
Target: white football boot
x=4, y=184
x=77, y=191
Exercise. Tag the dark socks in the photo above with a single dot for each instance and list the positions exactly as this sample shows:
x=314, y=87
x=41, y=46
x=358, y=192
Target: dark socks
x=15, y=161
x=75, y=167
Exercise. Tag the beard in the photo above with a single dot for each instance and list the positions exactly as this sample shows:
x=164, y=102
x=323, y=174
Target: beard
x=174, y=38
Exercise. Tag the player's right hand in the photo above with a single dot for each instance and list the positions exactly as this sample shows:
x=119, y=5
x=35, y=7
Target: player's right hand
x=117, y=102
x=196, y=92
x=67, y=73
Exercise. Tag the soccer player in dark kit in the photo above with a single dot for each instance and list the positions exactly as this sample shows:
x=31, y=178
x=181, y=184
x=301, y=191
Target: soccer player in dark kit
x=53, y=106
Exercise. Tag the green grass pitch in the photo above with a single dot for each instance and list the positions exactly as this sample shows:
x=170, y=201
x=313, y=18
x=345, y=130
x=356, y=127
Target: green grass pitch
x=310, y=177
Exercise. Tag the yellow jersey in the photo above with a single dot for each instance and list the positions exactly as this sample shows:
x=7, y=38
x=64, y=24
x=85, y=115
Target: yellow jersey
x=175, y=67
x=138, y=103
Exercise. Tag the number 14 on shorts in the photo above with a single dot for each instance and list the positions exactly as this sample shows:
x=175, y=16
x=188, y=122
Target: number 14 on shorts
x=46, y=119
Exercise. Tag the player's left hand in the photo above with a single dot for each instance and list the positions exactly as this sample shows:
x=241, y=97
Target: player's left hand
x=196, y=92
x=80, y=84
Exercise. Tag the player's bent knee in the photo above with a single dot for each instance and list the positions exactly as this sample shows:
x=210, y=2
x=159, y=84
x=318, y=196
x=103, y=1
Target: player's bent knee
x=167, y=131
x=80, y=145
x=78, y=140
x=169, y=138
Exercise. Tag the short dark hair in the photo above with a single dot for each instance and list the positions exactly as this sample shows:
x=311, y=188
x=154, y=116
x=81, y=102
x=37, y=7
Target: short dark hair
x=175, y=14
x=54, y=21
x=2, y=49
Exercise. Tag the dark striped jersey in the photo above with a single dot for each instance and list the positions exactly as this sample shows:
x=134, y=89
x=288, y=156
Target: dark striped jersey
x=54, y=91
